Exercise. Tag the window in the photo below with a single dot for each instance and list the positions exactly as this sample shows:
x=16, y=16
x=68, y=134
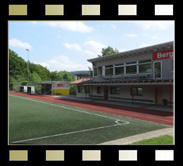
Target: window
x=137, y=91
x=99, y=90
x=95, y=71
x=100, y=71
x=132, y=69
x=145, y=66
x=80, y=89
x=115, y=90
x=109, y=70
x=119, y=69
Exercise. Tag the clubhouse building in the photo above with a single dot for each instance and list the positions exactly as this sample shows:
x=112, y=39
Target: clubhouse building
x=141, y=75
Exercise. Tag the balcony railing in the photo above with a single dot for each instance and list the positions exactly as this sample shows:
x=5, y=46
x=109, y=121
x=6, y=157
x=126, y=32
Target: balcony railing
x=137, y=77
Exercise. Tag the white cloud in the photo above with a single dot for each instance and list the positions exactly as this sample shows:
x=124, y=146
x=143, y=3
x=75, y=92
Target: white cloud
x=93, y=48
x=145, y=45
x=131, y=35
x=63, y=63
x=90, y=48
x=154, y=25
x=17, y=43
x=73, y=46
x=77, y=26
x=122, y=50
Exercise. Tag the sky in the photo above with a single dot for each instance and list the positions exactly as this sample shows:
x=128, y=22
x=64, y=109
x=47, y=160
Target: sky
x=66, y=45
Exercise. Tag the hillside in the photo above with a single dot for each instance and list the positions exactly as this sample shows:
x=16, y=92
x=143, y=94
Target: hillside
x=18, y=72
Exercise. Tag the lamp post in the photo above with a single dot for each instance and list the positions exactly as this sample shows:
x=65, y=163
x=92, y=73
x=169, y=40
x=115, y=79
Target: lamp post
x=28, y=67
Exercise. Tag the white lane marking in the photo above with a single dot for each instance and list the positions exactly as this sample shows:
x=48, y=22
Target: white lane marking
x=68, y=133
x=74, y=132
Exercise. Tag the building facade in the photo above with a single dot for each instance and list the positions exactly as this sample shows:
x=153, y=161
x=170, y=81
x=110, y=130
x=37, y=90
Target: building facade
x=140, y=75
x=55, y=87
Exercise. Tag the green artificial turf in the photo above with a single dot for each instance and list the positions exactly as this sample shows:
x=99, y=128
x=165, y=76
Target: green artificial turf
x=32, y=119
x=163, y=140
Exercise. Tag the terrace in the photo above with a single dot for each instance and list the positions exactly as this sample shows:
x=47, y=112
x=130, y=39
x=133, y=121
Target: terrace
x=165, y=77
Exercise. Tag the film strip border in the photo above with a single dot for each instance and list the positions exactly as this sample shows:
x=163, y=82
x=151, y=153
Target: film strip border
x=90, y=10
x=90, y=155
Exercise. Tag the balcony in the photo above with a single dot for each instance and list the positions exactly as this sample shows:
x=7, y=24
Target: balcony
x=156, y=77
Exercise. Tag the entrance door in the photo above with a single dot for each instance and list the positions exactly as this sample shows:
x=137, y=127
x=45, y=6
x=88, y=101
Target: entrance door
x=157, y=70
x=105, y=93
x=158, y=96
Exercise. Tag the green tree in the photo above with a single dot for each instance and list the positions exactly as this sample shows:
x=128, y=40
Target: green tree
x=53, y=75
x=109, y=51
x=43, y=72
x=34, y=77
x=17, y=66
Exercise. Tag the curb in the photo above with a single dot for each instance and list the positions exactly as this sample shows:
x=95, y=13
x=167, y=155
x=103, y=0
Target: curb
x=140, y=137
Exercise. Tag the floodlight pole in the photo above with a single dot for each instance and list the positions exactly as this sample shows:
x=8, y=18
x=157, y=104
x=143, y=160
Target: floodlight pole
x=28, y=67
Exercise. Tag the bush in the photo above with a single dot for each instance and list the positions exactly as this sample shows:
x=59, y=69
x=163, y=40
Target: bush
x=24, y=83
x=72, y=90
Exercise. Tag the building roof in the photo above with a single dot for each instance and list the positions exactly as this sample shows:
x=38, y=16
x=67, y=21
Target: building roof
x=52, y=82
x=82, y=72
x=80, y=81
x=154, y=48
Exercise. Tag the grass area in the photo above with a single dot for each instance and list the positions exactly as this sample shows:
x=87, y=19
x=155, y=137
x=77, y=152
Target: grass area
x=163, y=140
x=33, y=121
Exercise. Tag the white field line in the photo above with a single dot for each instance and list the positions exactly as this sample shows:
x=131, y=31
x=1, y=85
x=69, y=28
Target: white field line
x=68, y=133
x=73, y=132
x=48, y=103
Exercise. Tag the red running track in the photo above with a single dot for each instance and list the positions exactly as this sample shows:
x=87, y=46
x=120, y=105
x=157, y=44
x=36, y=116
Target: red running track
x=132, y=112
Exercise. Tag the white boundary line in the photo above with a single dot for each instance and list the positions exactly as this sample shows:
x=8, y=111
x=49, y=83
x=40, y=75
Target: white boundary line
x=73, y=132
x=68, y=133
x=48, y=103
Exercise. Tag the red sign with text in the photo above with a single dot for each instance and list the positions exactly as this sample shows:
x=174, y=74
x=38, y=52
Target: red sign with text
x=163, y=55
x=60, y=85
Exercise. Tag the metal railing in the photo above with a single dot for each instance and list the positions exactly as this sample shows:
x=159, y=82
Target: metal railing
x=165, y=75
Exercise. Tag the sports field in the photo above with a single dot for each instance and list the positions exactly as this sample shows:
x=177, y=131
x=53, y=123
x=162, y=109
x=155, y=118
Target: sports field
x=33, y=121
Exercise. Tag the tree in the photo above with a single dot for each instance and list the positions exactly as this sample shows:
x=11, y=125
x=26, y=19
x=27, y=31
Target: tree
x=34, y=77
x=109, y=51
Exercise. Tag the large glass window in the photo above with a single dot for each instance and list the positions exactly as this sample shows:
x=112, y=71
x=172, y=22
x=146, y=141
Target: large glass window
x=109, y=70
x=119, y=69
x=145, y=66
x=132, y=69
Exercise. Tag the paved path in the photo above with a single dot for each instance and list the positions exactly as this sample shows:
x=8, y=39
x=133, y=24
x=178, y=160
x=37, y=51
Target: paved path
x=140, y=137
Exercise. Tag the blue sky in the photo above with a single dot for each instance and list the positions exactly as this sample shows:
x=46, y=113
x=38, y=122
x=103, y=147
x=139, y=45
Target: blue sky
x=66, y=45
